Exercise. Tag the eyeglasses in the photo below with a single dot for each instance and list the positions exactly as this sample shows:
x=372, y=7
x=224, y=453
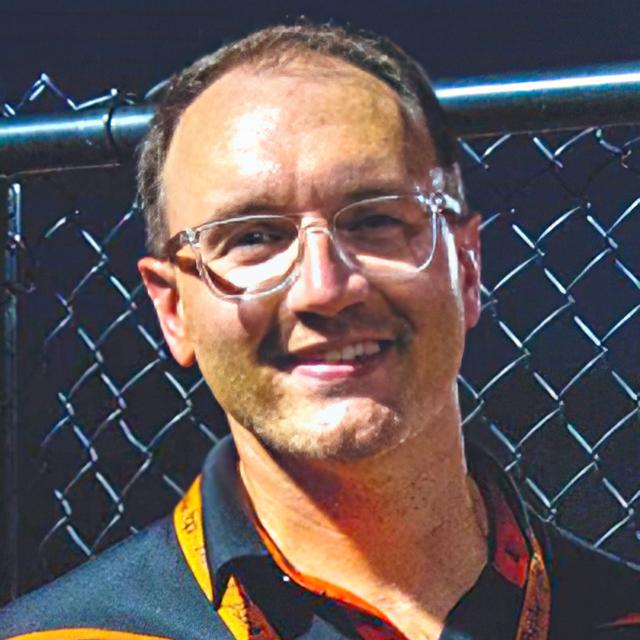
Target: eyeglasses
x=387, y=237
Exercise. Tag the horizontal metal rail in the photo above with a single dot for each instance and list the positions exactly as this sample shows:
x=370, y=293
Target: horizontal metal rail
x=476, y=107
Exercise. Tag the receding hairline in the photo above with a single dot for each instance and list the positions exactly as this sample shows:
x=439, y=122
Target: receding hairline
x=322, y=67
x=385, y=108
x=273, y=48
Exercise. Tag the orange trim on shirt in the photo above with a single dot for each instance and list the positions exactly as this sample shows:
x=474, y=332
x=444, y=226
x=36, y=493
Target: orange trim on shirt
x=628, y=620
x=512, y=560
x=535, y=616
x=511, y=557
x=316, y=585
x=243, y=619
x=187, y=520
x=247, y=622
x=85, y=634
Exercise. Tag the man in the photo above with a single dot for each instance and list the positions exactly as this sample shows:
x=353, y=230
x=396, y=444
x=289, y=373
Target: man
x=314, y=255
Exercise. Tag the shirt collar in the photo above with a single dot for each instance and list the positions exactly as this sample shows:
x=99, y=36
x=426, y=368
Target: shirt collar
x=229, y=532
x=231, y=536
x=510, y=537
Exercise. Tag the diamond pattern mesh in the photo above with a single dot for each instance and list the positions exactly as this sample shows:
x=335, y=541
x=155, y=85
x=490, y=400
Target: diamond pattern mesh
x=112, y=431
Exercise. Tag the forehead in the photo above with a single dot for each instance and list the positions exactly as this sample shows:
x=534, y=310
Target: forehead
x=289, y=134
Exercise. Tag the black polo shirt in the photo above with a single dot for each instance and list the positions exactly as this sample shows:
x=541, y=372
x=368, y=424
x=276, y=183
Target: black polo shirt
x=206, y=573
x=490, y=609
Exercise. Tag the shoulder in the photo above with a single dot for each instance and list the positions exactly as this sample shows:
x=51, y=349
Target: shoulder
x=594, y=594
x=141, y=586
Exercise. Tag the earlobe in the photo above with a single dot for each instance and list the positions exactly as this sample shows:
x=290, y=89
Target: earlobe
x=468, y=243
x=159, y=280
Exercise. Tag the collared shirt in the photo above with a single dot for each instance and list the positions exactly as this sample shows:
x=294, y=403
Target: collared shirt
x=273, y=600
x=206, y=574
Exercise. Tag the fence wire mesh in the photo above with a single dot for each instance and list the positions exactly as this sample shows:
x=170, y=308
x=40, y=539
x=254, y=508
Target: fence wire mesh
x=112, y=431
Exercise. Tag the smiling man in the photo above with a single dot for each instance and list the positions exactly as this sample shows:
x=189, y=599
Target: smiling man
x=312, y=252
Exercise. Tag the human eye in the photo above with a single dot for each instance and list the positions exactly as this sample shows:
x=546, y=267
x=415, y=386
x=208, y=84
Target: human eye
x=374, y=221
x=258, y=237
x=372, y=218
x=248, y=241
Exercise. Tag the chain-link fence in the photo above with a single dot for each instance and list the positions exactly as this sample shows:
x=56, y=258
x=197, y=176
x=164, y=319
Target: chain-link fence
x=104, y=431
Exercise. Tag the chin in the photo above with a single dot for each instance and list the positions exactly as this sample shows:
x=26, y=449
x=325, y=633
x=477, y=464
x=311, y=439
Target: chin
x=342, y=431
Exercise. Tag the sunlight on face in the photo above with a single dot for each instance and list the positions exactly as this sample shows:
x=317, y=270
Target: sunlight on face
x=303, y=144
x=246, y=130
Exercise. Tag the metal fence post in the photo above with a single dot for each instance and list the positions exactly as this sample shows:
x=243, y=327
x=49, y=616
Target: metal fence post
x=10, y=230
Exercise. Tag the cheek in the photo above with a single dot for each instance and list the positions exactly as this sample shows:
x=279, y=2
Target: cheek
x=224, y=325
x=435, y=307
x=435, y=298
x=446, y=273
x=226, y=336
x=257, y=316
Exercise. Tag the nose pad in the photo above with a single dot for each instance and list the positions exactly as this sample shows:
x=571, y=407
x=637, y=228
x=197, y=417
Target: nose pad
x=321, y=226
x=313, y=257
x=324, y=282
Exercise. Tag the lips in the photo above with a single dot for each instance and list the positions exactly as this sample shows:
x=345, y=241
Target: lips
x=347, y=353
x=333, y=361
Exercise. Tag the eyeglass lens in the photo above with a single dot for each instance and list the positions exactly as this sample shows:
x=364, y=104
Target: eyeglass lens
x=393, y=235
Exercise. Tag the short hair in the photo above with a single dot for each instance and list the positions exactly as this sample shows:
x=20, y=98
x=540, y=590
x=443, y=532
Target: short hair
x=275, y=47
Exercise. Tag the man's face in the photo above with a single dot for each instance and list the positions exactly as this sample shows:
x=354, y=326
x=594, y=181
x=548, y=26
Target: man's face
x=308, y=140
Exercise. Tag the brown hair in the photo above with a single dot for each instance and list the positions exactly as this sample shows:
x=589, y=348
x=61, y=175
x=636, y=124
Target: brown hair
x=273, y=47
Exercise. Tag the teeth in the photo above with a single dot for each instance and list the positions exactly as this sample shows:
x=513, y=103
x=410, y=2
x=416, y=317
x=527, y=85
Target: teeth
x=371, y=347
x=348, y=353
x=352, y=351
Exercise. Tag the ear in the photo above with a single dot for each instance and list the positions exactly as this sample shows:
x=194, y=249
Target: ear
x=160, y=281
x=467, y=237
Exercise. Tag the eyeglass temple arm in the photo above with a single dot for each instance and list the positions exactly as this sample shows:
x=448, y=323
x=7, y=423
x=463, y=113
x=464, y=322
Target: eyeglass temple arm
x=173, y=245
x=190, y=264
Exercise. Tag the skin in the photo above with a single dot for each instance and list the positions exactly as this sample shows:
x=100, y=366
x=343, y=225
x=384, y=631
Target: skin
x=360, y=481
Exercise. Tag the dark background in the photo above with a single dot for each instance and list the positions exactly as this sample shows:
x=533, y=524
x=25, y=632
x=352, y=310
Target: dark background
x=90, y=46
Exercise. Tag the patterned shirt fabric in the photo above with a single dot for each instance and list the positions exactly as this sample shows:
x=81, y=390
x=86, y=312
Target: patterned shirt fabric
x=210, y=572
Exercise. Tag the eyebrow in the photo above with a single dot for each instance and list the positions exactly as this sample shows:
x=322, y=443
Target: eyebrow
x=250, y=207
x=265, y=206
x=376, y=192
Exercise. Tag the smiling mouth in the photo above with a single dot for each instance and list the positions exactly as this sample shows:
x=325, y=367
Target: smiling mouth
x=349, y=358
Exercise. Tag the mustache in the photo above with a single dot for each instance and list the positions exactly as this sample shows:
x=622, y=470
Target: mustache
x=308, y=328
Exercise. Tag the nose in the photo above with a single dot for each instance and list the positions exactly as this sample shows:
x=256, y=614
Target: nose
x=326, y=284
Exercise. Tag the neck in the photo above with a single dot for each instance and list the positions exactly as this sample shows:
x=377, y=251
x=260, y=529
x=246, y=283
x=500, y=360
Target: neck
x=404, y=531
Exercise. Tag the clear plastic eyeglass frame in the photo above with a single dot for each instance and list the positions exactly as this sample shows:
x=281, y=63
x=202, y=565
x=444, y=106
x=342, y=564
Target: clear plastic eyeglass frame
x=438, y=203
